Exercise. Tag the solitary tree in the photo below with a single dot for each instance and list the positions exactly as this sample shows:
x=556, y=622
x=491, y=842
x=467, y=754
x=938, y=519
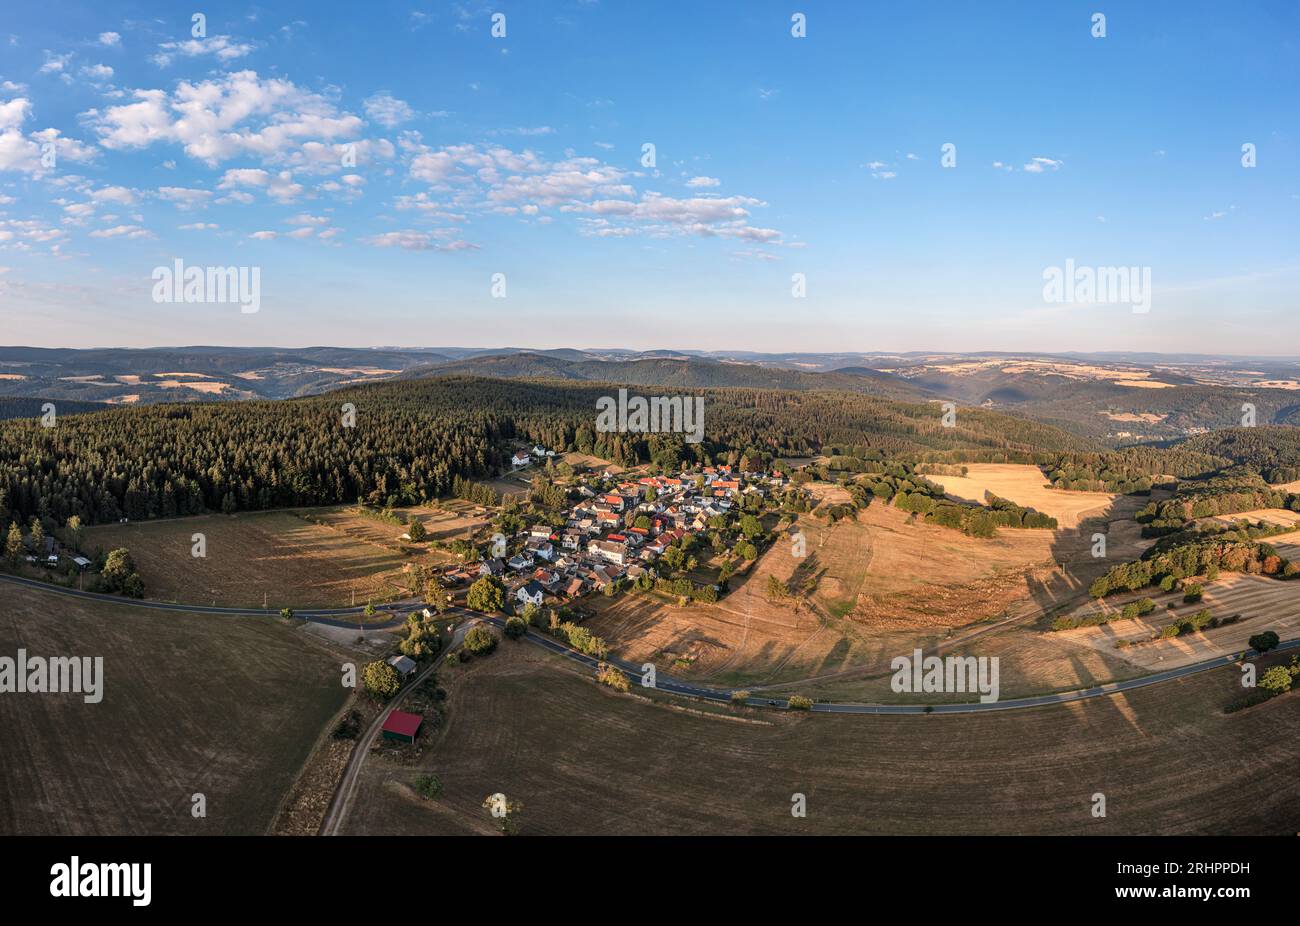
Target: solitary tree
x=416, y=531
x=380, y=680
x=1263, y=642
x=14, y=544
x=486, y=595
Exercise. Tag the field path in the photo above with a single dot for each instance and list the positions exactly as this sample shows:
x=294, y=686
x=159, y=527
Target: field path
x=341, y=803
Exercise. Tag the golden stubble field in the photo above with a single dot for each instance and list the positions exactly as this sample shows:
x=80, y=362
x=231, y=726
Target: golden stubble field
x=320, y=557
x=1026, y=486
x=229, y=708
x=1264, y=603
x=585, y=760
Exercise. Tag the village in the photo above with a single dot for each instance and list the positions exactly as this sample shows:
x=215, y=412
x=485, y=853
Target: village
x=625, y=528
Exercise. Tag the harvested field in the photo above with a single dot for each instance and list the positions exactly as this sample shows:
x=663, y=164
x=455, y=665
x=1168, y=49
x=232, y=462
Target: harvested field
x=275, y=556
x=1167, y=758
x=1026, y=486
x=1264, y=604
x=226, y=707
x=1267, y=515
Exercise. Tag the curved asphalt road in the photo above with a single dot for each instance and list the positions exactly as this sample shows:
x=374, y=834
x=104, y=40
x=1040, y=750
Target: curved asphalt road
x=830, y=707
x=331, y=617
x=327, y=616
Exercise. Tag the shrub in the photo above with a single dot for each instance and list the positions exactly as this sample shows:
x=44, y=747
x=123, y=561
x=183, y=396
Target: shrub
x=800, y=703
x=480, y=640
x=616, y=679
x=428, y=787
x=516, y=627
x=1276, y=680
x=349, y=728
x=1193, y=593
x=739, y=698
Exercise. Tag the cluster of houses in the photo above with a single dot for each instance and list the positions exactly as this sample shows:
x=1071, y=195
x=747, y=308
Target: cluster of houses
x=524, y=457
x=619, y=532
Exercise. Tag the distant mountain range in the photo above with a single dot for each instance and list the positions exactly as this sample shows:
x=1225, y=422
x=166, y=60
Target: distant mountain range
x=1117, y=398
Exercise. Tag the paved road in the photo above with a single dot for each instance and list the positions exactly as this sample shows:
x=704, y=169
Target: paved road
x=332, y=617
x=663, y=683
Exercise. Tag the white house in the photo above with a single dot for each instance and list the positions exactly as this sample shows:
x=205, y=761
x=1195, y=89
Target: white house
x=530, y=593
x=520, y=459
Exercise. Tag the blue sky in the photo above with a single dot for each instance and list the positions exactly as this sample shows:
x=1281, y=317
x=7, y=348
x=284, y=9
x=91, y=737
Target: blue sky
x=775, y=155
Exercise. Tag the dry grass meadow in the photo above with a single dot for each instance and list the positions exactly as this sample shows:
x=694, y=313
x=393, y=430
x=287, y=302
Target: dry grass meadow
x=875, y=586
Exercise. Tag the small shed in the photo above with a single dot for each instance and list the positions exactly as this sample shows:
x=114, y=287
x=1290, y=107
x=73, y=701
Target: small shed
x=404, y=665
x=402, y=726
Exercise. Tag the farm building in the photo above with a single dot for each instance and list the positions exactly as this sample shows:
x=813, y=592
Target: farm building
x=402, y=726
x=404, y=665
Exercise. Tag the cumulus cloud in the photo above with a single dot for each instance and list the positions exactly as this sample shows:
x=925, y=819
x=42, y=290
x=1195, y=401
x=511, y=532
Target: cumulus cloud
x=184, y=197
x=704, y=182
x=278, y=186
x=38, y=152
x=222, y=47
x=387, y=110
x=500, y=180
x=122, y=231
x=109, y=39
x=418, y=241
x=216, y=120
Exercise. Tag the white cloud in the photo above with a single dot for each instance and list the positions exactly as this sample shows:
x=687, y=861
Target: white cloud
x=279, y=186
x=13, y=113
x=216, y=120
x=109, y=39
x=264, y=235
x=122, y=231
x=703, y=181
x=97, y=72
x=114, y=194
x=1039, y=165
x=222, y=46
x=884, y=174
x=199, y=226
x=417, y=241
x=184, y=197
x=54, y=64
x=387, y=110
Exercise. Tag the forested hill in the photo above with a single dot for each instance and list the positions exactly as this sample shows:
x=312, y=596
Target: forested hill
x=412, y=438
x=680, y=373
x=32, y=407
x=1273, y=452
